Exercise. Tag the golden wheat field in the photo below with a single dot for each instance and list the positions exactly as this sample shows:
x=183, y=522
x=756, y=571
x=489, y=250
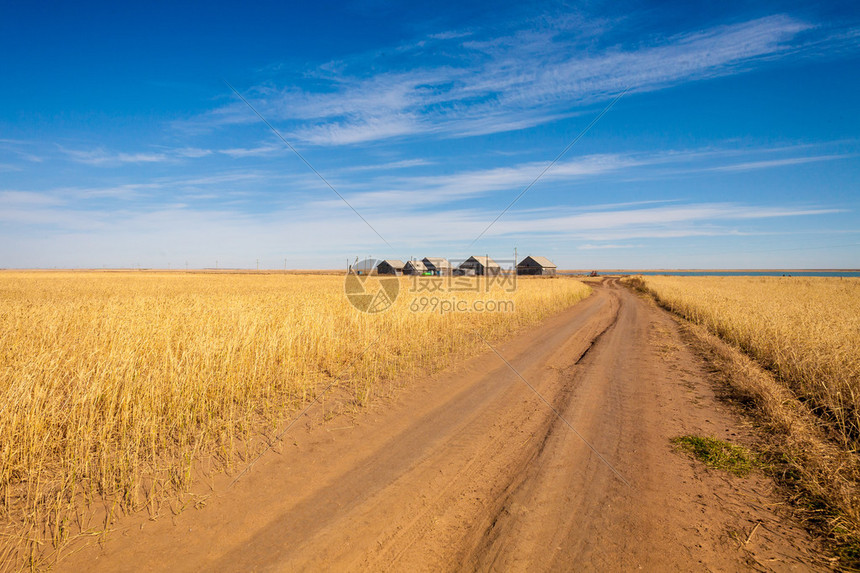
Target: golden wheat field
x=113, y=385
x=807, y=330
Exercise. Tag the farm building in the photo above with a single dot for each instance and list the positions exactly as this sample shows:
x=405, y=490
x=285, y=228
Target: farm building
x=390, y=267
x=480, y=265
x=536, y=266
x=437, y=265
x=414, y=268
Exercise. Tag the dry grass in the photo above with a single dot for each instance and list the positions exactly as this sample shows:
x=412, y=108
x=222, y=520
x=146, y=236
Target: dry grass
x=822, y=477
x=787, y=325
x=113, y=385
x=805, y=330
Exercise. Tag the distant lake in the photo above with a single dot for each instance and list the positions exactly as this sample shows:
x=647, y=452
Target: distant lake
x=733, y=273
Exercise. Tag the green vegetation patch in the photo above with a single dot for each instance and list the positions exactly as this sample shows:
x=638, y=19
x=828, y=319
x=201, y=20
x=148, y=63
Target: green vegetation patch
x=718, y=454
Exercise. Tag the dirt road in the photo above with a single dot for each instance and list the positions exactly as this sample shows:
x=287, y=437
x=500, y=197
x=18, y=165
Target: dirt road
x=471, y=470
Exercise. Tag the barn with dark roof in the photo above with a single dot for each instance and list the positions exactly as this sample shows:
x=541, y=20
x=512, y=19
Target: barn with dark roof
x=414, y=268
x=533, y=266
x=480, y=265
x=390, y=267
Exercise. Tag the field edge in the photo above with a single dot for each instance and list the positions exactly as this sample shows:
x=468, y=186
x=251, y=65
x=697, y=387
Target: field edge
x=820, y=479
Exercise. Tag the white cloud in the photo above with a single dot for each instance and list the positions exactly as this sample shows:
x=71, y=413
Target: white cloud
x=103, y=157
x=358, y=130
x=400, y=205
x=261, y=150
x=403, y=193
x=403, y=164
x=213, y=179
x=19, y=148
x=591, y=247
x=609, y=224
x=450, y=35
x=17, y=198
x=787, y=162
x=109, y=158
x=636, y=220
x=192, y=152
x=177, y=232
x=506, y=83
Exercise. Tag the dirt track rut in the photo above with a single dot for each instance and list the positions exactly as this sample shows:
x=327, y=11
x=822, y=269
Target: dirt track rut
x=471, y=470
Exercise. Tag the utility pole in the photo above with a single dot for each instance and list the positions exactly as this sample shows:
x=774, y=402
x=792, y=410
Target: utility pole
x=258, y=264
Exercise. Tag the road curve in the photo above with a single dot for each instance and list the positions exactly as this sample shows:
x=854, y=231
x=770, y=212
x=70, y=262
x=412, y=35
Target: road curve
x=472, y=470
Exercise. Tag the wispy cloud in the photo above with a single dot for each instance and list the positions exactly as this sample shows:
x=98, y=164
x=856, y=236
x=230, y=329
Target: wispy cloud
x=258, y=151
x=450, y=35
x=411, y=192
x=10, y=198
x=507, y=83
x=100, y=156
x=21, y=149
x=403, y=164
x=192, y=152
x=145, y=194
x=773, y=163
x=109, y=158
x=140, y=235
x=213, y=179
x=592, y=247
x=682, y=220
x=408, y=192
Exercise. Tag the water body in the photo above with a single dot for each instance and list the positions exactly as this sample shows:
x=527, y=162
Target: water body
x=734, y=273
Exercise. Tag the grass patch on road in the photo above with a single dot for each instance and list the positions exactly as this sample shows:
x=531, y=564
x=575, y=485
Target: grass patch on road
x=718, y=454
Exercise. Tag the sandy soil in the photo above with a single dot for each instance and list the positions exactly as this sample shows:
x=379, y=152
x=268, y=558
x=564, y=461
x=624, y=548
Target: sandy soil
x=471, y=470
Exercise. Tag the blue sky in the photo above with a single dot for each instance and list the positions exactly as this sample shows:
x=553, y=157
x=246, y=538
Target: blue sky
x=736, y=145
